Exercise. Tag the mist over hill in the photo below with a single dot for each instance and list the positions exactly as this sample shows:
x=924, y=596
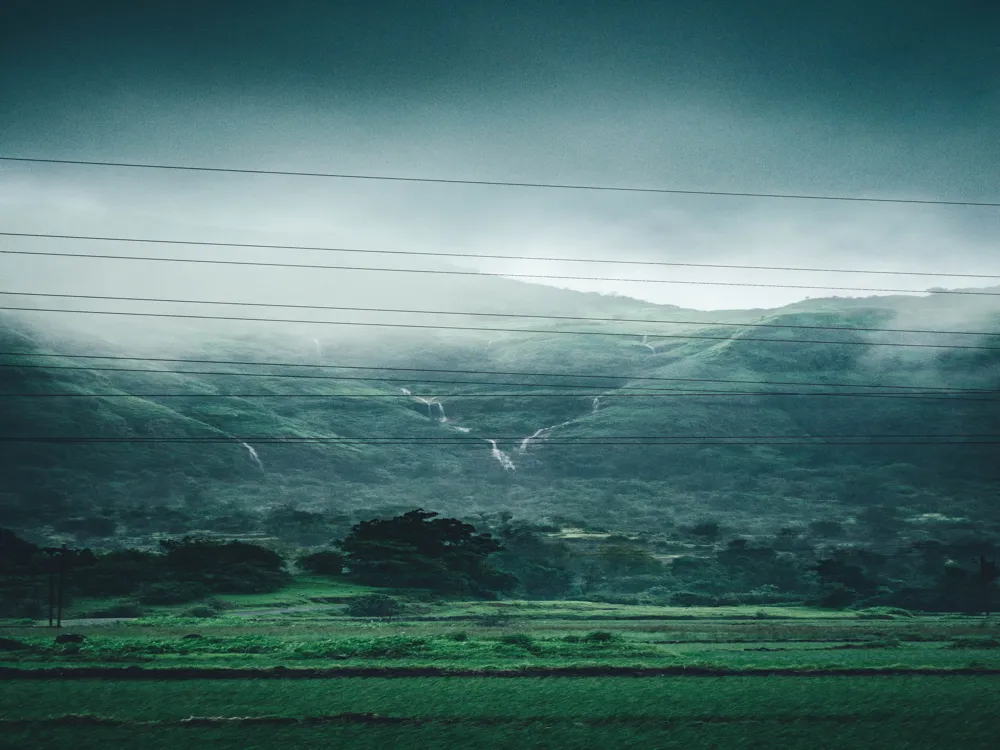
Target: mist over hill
x=607, y=423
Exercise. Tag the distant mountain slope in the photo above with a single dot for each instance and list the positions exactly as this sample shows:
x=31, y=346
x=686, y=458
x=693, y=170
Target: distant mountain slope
x=483, y=384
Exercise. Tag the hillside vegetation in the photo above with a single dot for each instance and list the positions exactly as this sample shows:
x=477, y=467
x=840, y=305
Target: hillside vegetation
x=568, y=476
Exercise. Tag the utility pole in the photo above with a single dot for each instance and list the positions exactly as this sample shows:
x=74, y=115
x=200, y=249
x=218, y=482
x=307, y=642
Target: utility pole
x=52, y=592
x=988, y=575
x=62, y=585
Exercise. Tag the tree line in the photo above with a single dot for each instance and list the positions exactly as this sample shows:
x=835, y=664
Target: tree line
x=445, y=556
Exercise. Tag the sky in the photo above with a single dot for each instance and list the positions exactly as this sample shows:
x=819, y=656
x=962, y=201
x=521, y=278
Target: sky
x=885, y=98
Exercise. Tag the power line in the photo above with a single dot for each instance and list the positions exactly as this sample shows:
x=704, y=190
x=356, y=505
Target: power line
x=518, y=438
x=479, y=328
x=477, y=442
x=483, y=256
x=650, y=394
x=649, y=378
x=314, y=266
x=165, y=300
x=934, y=394
x=499, y=183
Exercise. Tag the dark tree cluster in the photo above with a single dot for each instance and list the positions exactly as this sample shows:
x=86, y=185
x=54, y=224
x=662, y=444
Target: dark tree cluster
x=421, y=550
x=180, y=570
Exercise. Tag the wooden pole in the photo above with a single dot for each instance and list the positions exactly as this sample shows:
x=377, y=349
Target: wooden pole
x=62, y=585
x=52, y=593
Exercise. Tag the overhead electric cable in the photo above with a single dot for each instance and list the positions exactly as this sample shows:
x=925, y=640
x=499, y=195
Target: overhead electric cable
x=483, y=256
x=336, y=308
x=495, y=183
x=438, y=271
x=476, y=440
x=514, y=373
x=454, y=396
x=616, y=334
x=472, y=443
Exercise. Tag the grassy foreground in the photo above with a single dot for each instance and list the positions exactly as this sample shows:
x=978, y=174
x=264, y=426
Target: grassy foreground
x=510, y=678
x=740, y=712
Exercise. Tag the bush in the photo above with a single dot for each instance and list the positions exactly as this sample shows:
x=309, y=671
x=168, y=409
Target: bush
x=201, y=610
x=118, y=609
x=393, y=647
x=494, y=619
x=521, y=640
x=838, y=597
x=373, y=605
x=882, y=613
x=458, y=635
x=326, y=563
x=22, y=609
x=170, y=592
x=975, y=642
x=218, y=604
x=599, y=636
x=692, y=599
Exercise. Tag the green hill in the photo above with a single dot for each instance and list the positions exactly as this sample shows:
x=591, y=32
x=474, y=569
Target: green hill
x=483, y=383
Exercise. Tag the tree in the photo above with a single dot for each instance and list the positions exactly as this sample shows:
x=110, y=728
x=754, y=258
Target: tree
x=325, y=563
x=420, y=550
x=235, y=567
x=708, y=530
x=541, y=565
x=627, y=560
x=15, y=553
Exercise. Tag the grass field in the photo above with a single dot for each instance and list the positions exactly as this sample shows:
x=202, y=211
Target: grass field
x=510, y=676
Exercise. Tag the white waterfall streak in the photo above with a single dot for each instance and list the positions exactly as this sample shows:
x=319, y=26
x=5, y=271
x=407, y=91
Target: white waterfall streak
x=500, y=456
x=432, y=405
x=253, y=455
x=539, y=434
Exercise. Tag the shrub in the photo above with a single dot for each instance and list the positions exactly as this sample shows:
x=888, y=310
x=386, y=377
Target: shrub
x=326, y=563
x=22, y=609
x=521, y=640
x=975, y=642
x=837, y=597
x=692, y=599
x=494, y=620
x=170, y=592
x=218, y=604
x=393, y=647
x=201, y=610
x=118, y=609
x=599, y=636
x=882, y=613
x=458, y=635
x=373, y=605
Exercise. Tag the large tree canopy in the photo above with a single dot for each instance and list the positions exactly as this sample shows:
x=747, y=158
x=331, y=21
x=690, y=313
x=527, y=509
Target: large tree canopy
x=418, y=549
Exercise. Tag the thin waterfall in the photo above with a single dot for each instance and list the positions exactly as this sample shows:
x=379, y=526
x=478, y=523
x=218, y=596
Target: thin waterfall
x=500, y=456
x=539, y=434
x=253, y=455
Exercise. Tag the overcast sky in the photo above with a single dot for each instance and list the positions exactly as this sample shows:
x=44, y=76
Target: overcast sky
x=871, y=98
